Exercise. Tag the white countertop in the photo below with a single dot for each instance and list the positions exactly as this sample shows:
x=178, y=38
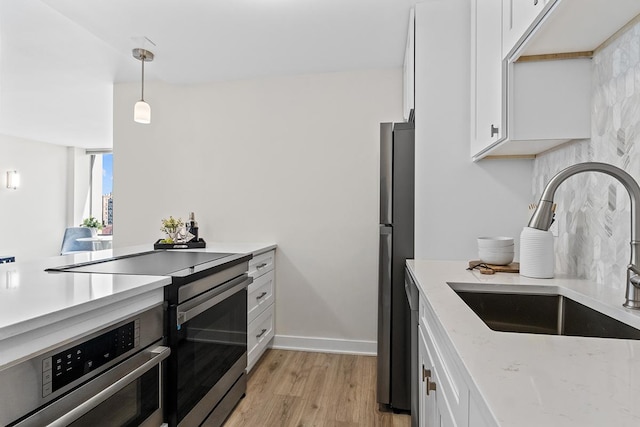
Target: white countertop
x=539, y=380
x=39, y=309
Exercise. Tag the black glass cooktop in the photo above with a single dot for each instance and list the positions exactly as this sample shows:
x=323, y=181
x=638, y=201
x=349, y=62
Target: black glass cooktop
x=156, y=263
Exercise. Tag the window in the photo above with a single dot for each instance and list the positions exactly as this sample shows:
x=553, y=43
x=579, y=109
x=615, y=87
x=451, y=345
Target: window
x=101, y=190
x=107, y=193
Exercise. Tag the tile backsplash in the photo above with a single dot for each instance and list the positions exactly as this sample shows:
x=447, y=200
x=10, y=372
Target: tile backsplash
x=593, y=211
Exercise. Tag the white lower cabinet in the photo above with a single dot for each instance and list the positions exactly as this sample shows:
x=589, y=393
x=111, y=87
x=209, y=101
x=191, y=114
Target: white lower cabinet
x=262, y=263
x=260, y=306
x=445, y=397
x=260, y=295
x=259, y=333
x=427, y=407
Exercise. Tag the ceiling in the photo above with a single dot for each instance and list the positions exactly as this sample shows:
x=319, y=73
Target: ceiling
x=59, y=59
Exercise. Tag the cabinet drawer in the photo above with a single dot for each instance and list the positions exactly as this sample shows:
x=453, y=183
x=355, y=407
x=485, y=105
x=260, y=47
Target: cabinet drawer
x=262, y=263
x=259, y=333
x=260, y=295
x=448, y=375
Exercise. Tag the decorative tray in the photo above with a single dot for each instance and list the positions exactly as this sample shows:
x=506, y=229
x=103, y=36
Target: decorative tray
x=200, y=243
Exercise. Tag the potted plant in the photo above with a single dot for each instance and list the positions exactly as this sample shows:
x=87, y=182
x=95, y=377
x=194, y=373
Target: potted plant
x=171, y=227
x=91, y=222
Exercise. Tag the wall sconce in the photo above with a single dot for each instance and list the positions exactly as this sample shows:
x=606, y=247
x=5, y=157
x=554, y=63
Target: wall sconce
x=12, y=279
x=13, y=180
x=142, y=110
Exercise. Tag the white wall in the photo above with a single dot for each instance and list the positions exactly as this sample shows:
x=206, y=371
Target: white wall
x=292, y=160
x=33, y=217
x=78, y=177
x=456, y=200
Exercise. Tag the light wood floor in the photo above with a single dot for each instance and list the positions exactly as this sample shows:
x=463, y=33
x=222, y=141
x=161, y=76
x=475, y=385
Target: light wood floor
x=300, y=389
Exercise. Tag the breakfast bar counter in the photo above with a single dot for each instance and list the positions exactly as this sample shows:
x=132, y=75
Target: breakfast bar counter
x=39, y=309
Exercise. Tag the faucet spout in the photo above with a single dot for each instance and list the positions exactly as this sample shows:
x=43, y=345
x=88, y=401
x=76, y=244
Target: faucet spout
x=543, y=216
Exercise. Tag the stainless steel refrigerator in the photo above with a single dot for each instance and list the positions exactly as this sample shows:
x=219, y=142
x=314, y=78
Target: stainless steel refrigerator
x=397, y=172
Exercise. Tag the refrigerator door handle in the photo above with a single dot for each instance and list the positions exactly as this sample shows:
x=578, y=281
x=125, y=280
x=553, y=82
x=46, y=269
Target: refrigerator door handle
x=384, y=316
x=386, y=172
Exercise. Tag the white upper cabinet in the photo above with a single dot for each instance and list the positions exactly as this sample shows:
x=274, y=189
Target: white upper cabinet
x=517, y=17
x=576, y=25
x=531, y=71
x=409, y=68
x=486, y=75
x=548, y=103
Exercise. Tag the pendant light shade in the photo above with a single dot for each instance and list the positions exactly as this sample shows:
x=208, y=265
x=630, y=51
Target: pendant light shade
x=142, y=110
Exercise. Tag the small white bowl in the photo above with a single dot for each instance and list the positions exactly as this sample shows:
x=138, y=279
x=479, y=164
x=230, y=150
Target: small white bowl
x=496, y=258
x=494, y=242
x=498, y=251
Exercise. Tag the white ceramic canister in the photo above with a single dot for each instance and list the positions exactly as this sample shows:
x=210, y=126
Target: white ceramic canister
x=536, y=253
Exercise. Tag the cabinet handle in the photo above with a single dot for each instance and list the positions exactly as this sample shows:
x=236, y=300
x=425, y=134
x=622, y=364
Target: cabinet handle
x=261, y=265
x=426, y=376
x=264, y=331
x=426, y=373
x=261, y=295
x=535, y=2
x=431, y=386
x=494, y=131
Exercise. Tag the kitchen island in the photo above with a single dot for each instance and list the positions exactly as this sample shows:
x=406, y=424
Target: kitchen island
x=39, y=309
x=487, y=378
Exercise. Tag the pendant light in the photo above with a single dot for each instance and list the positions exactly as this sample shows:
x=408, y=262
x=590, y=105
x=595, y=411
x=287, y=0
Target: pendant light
x=142, y=110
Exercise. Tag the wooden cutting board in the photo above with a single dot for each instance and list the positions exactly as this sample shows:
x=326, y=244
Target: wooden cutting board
x=514, y=267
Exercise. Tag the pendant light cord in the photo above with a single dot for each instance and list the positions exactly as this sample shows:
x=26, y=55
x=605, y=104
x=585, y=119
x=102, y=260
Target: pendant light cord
x=142, y=58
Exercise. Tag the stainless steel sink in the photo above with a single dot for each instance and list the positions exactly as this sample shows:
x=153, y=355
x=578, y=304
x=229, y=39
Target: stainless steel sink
x=543, y=314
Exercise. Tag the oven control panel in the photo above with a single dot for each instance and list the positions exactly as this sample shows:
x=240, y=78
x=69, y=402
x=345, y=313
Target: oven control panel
x=65, y=367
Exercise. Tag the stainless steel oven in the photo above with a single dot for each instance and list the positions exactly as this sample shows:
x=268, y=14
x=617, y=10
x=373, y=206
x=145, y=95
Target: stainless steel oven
x=205, y=328
x=207, y=331
x=112, y=377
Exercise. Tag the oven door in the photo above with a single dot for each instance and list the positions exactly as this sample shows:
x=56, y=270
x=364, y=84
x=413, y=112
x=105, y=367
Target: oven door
x=129, y=394
x=210, y=353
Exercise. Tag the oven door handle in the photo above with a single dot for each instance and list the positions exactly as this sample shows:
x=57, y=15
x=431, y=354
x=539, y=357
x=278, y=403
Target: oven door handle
x=201, y=303
x=160, y=353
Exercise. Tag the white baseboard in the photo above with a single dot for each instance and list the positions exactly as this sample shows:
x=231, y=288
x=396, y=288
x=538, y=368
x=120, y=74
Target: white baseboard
x=325, y=345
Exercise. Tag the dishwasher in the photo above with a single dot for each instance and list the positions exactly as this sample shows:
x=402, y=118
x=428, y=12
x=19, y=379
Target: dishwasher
x=413, y=297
